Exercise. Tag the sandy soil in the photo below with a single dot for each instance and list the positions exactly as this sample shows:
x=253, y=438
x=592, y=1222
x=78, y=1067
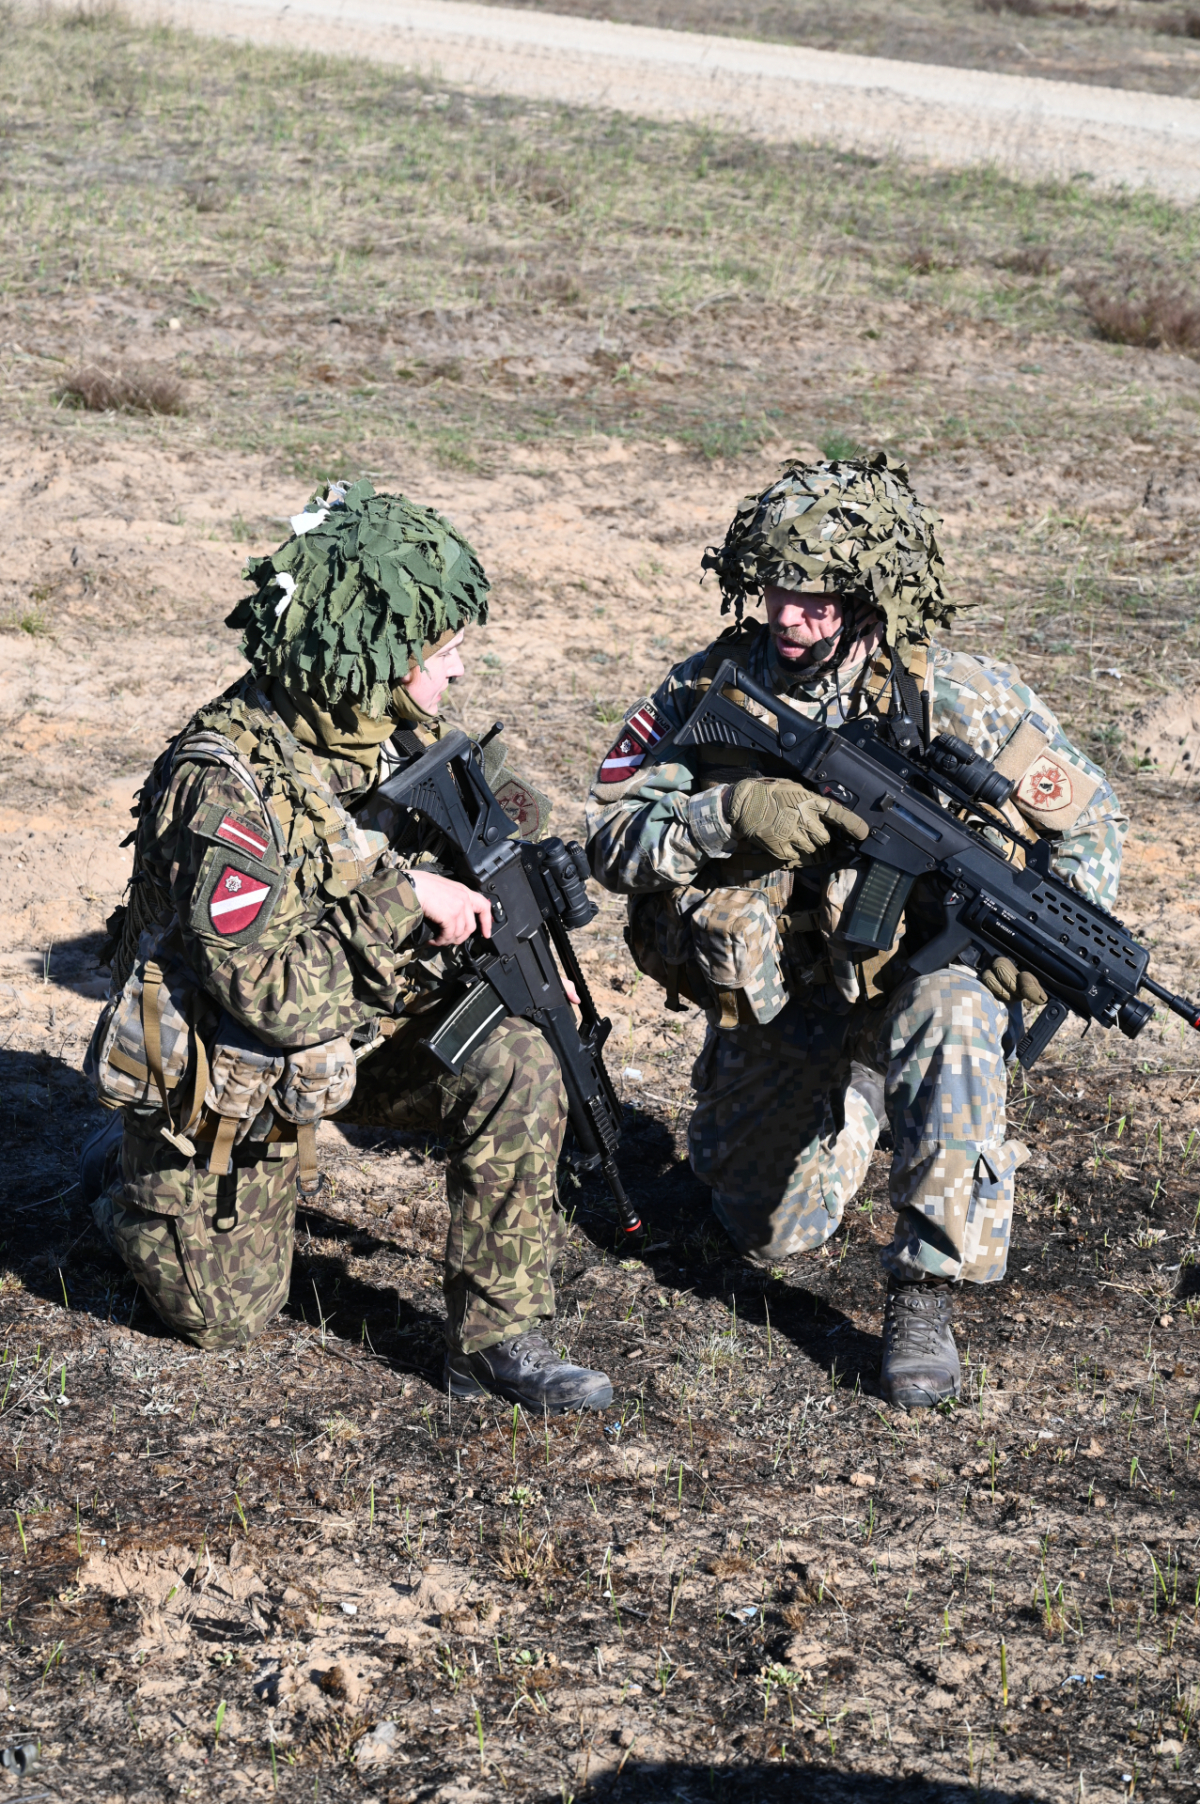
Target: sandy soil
x=949, y=116
x=293, y=1572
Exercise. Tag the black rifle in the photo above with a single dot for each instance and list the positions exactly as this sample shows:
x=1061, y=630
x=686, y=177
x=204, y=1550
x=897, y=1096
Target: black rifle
x=537, y=893
x=1086, y=960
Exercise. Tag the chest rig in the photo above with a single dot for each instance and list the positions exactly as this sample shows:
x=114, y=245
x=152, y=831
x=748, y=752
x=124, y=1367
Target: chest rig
x=748, y=936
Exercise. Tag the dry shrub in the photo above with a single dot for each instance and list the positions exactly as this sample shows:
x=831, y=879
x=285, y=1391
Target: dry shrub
x=1181, y=25
x=1054, y=9
x=1162, y=319
x=728, y=1565
x=923, y=259
x=146, y=390
x=1029, y=260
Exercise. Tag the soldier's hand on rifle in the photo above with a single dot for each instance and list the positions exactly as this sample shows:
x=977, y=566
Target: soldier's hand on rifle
x=787, y=820
x=1008, y=985
x=452, y=908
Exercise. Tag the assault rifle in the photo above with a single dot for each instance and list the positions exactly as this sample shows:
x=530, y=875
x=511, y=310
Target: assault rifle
x=1086, y=960
x=538, y=897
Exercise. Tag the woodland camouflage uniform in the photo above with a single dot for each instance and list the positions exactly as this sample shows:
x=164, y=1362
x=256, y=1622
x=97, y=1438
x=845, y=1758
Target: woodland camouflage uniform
x=779, y=1130
x=292, y=918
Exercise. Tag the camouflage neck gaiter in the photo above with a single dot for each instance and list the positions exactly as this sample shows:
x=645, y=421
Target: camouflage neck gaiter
x=345, y=733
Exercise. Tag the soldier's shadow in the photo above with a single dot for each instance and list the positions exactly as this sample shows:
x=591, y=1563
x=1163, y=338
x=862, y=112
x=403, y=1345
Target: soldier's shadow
x=325, y=1293
x=687, y=1250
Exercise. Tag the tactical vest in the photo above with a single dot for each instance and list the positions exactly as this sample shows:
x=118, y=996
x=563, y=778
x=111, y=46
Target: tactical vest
x=746, y=936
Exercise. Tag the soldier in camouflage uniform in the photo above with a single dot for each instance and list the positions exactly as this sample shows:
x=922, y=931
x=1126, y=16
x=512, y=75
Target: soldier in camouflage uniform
x=279, y=952
x=736, y=883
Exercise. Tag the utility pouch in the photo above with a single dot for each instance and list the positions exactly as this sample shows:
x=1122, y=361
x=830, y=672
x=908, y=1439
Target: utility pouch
x=242, y=1074
x=147, y=1052
x=660, y=946
x=735, y=943
x=317, y=1081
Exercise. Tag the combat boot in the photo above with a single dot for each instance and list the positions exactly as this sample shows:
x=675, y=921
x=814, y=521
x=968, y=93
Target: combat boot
x=527, y=1371
x=920, y=1366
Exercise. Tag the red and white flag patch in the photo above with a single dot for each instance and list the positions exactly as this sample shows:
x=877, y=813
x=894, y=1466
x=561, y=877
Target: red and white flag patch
x=236, y=900
x=625, y=756
x=246, y=839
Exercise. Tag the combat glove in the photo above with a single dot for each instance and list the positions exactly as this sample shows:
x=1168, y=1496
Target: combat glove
x=1008, y=985
x=786, y=820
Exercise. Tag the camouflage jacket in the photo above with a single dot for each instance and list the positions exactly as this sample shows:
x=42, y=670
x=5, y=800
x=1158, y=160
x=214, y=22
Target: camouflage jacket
x=284, y=878
x=661, y=826
x=288, y=914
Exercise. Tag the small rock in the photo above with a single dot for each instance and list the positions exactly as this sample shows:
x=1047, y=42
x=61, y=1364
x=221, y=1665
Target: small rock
x=864, y=1480
x=1099, y=1500
x=1167, y=1747
x=1165, y=1321
x=376, y=1746
x=625, y=1738
x=350, y=1609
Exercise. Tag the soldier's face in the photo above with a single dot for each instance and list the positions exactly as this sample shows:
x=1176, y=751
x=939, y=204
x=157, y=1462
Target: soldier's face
x=798, y=618
x=429, y=685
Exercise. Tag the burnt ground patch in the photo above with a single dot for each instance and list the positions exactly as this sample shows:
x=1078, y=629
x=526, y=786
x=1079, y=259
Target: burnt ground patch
x=223, y=1571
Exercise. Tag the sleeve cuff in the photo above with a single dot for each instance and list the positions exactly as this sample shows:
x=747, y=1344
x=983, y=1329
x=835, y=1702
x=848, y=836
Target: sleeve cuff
x=708, y=826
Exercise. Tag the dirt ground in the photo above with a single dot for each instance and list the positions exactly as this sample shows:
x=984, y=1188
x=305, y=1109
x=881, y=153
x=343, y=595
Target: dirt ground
x=295, y=1571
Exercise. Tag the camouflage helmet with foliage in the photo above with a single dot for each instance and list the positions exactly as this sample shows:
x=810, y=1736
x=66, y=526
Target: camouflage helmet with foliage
x=364, y=587
x=852, y=524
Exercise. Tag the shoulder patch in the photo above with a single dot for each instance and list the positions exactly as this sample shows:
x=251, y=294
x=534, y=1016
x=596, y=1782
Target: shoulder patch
x=525, y=806
x=252, y=838
x=1053, y=794
x=625, y=756
x=231, y=898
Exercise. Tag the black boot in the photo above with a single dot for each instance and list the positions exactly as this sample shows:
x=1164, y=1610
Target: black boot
x=920, y=1366
x=528, y=1371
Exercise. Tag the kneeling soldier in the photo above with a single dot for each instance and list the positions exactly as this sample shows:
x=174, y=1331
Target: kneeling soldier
x=277, y=957
x=736, y=882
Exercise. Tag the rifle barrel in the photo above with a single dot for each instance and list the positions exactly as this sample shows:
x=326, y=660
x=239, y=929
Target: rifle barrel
x=1178, y=1004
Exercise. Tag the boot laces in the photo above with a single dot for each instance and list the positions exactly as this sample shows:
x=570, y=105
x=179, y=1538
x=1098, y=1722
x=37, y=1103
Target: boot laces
x=917, y=1320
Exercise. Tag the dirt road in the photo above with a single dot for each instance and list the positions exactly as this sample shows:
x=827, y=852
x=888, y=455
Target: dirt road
x=782, y=92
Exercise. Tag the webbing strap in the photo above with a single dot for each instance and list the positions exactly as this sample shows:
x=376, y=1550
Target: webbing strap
x=220, y=1156
x=152, y=982
x=309, y=1180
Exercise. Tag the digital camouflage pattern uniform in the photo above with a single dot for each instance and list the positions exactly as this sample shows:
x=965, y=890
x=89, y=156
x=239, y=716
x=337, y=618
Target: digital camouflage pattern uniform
x=255, y=885
x=777, y=1131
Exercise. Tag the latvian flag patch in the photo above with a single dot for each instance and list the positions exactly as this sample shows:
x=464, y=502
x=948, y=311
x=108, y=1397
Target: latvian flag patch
x=640, y=732
x=236, y=900
x=246, y=839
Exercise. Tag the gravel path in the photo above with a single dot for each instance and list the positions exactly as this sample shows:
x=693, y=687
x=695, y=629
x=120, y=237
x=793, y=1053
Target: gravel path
x=782, y=92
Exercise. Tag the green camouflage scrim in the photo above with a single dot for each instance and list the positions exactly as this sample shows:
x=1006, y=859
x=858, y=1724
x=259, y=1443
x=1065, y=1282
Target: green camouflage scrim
x=503, y=1119
x=853, y=525
x=785, y=1144
x=363, y=584
x=658, y=829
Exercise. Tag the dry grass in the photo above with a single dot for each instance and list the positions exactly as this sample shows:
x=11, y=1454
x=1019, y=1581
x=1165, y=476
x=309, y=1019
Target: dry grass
x=1162, y=319
x=138, y=390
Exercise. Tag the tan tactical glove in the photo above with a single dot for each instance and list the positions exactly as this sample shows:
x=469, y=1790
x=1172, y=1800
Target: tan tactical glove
x=1008, y=985
x=787, y=820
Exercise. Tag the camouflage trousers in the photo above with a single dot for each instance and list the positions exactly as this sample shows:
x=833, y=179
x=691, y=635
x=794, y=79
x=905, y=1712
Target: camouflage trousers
x=503, y=1119
x=785, y=1142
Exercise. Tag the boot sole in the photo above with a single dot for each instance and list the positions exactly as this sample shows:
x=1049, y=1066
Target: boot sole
x=918, y=1399
x=464, y=1386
